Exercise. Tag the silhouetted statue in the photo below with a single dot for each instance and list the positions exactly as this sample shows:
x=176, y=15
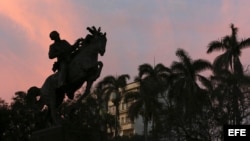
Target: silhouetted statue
x=61, y=50
x=82, y=67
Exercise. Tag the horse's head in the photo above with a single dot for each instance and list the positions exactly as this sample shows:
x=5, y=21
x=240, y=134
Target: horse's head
x=98, y=38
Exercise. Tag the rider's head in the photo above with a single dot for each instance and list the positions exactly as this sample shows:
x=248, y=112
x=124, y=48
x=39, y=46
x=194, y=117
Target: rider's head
x=54, y=35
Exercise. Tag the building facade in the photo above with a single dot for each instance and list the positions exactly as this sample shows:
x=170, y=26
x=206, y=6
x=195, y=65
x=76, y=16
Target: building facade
x=127, y=127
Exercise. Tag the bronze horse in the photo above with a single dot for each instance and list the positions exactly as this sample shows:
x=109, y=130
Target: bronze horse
x=84, y=67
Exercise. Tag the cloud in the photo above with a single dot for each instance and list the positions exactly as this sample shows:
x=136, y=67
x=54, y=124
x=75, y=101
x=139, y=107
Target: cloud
x=137, y=33
x=24, y=46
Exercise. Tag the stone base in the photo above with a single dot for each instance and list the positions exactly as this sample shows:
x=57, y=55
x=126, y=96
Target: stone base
x=56, y=134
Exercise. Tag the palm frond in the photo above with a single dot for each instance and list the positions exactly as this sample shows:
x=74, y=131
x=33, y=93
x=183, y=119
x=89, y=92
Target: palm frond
x=214, y=46
x=184, y=57
x=160, y=68
x=205, y=82
x=222, y=62
x=244, y=43
x=178, y=67
x=107, y=91
x=137, y=79
x=131, y=96
x=135, y=109
x=109, y=80
x=228, y=42
x=201, y=65
x=162, y=73
x=145, y=69
x=122, y=80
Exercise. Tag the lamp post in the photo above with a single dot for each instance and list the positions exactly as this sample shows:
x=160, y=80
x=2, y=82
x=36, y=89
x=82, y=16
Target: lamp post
x=115, y=98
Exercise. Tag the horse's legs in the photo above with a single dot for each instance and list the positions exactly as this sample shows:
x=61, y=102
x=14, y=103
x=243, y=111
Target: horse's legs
x=71, y=88
x=53, y=114
x=59, y=97
x=87, y=90
x=92, y=78
x=70, y=94
x=88, y=87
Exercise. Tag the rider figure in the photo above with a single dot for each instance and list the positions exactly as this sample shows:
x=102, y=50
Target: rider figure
x=61, y=50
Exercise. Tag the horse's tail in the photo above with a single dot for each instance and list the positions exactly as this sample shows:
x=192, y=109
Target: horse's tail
x=31, y=98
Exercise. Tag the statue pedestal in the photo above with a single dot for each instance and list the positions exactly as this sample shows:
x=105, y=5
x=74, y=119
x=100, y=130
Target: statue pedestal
x=57, y=133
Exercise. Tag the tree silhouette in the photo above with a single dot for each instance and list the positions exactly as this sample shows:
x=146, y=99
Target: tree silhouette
x=232, y=48
x=146, y=104
x=188, y=99
x=113, y=88
x=4, y=119
x=185, y=91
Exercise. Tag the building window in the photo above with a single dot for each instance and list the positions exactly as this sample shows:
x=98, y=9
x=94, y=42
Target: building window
x=127, y=119
x=122, y=106
x=125, y=106
x=122, y=120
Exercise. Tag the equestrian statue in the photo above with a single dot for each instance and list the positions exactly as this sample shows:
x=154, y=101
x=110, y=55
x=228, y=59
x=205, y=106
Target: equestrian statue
x=75, y=65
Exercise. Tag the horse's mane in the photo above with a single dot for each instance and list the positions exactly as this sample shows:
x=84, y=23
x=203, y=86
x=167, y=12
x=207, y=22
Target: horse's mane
x=80, y=44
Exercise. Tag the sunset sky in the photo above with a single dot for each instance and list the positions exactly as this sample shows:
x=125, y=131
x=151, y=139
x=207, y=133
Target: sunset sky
x=137, y=32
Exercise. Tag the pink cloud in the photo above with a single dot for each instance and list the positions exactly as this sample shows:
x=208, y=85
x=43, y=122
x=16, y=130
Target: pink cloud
x=36, y=19
x=136, y=33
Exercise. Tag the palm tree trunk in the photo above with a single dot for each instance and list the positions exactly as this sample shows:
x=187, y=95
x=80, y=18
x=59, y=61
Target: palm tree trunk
x=153, y=128
x=154, y=132
x=146, y=129
x=116, y=120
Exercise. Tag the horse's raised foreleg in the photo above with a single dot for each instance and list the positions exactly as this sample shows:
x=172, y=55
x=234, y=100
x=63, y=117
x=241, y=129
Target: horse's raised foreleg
x=93, y=77
x=88, y=87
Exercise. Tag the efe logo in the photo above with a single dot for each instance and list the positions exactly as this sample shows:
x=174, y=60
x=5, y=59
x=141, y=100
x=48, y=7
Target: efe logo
x=237, y=132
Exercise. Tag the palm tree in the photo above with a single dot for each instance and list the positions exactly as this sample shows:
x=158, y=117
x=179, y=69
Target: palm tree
x=112, y=88
x=185, y=87
x=185, y=93
x=229, y=99
x=146, y=104
x=106, y=120
x=232, y=48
